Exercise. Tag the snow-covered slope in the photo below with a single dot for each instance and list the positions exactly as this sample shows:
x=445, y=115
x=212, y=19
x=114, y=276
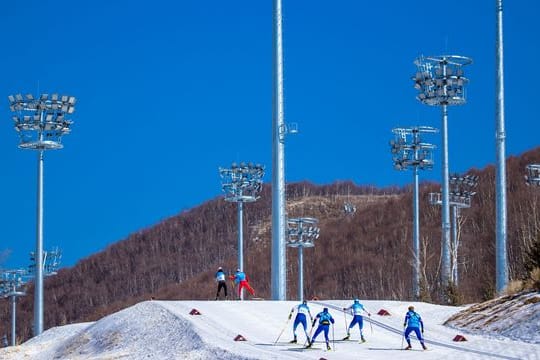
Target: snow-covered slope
x=166, y=330
x=513, y=316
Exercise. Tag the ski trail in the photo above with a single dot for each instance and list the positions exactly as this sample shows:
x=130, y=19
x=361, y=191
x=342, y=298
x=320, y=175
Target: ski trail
x=431, y=342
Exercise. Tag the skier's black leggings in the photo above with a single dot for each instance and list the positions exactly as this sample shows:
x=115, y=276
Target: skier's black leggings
x=221, y=284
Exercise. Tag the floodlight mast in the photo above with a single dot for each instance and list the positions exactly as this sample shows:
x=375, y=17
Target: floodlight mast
x=41, y=123
x=501, y=263
x=51, y=262
x=12, y=287
x=533, y=174
x=241, y=183
x=441, y=82
x=461, y=193
x=409, y=151
x=278, y=259
x=300, y=236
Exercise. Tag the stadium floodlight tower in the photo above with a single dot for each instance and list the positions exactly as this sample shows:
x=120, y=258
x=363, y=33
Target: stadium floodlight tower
x=533, y=174
x=408, y=151
x=461, y=193
x=12, y=287
x=41, y=122
x=441, y=82
x=302, y=232
x=241, y=183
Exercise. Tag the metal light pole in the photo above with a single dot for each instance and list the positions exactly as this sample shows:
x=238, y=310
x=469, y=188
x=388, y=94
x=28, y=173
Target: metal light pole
x=441, y=82
x=408, y=150
x=501, y=263
x=461, y=193
x=41, y=123
x=12, y=288
x=278, y=283
x=241, y=183
x=302, y=233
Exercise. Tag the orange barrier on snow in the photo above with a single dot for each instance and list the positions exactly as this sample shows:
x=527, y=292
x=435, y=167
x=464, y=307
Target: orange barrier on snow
x=194, y=312
x=459, y=338
x=383, y=312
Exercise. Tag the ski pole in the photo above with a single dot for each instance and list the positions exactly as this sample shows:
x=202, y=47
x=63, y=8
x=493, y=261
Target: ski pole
x=308, y=340
x=333, y=338
x=282, y=330
x=345, y=318
x=370, y=325
x=402, y=337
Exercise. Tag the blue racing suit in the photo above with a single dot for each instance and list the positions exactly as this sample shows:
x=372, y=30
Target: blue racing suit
x=302, y=311
x=325, y=319
x=413, y=322
x=356, y=310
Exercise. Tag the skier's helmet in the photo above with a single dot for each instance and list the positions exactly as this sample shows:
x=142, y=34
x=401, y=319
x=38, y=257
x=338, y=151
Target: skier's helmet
x=411, y=308
x=356, y=300
x=325, y=310
x=220, y=268
x=304, y=302
x=238, y=270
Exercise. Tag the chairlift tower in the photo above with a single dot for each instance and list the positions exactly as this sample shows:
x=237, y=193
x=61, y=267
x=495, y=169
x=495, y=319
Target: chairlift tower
x=441, y=82
x=12, y=287
x=241, y=183
x=461, y=193
x=302, y=232
x=408, y=151
x=41, y=124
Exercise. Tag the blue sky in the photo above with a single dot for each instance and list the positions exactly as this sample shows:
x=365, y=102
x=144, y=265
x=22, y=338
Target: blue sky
x=168, y=91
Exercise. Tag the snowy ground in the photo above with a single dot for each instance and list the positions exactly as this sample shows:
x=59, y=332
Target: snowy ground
x=166, y=330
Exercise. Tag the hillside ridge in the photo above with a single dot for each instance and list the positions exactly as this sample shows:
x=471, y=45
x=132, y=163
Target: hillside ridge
x=363, y=254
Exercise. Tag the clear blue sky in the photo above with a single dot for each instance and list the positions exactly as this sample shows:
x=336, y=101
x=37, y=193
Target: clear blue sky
x=168, y=91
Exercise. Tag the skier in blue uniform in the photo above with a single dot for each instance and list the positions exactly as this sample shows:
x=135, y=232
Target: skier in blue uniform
x=413, y=322
x=356, y=310
x=302, y=311
x=325, y=319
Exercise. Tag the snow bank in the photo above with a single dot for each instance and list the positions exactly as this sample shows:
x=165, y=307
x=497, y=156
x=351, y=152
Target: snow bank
x=514, y=316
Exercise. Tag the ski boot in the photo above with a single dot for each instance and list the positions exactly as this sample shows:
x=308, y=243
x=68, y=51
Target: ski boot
x=293, y=341
x=362, y=339
x=308, y=344
x=328, y=347
x=424, y=347
x=347, y=337
x=409, y=347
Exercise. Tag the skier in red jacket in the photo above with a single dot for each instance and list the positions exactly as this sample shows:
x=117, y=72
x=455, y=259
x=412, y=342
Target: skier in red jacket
x=242, y=279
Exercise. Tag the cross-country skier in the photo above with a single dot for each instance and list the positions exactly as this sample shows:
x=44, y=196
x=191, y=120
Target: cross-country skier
x=325, y=319
x=242, y=279
x=356, y=310
x=221, y=280
x=302, y=311
x=413, y=322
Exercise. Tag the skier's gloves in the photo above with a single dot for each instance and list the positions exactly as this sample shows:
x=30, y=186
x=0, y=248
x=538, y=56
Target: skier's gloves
x=344, y=309
x=290, y=316
x=313, y=323
x=422, y=330
x=404, y=325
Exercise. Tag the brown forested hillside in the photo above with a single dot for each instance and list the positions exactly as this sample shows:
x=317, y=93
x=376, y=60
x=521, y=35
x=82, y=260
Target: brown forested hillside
x=366, y=254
